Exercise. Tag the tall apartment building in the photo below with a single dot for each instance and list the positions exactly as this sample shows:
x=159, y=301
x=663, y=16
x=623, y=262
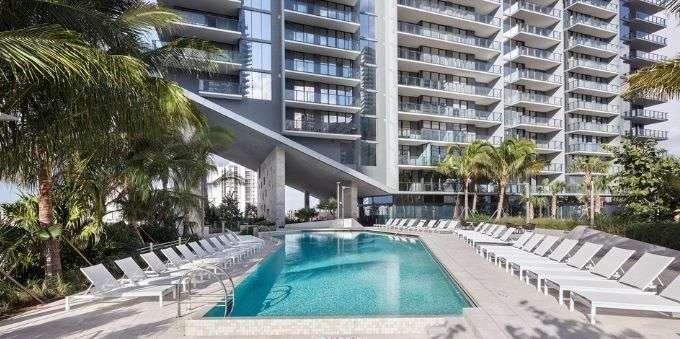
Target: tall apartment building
x=362, y=97
x=232, y=180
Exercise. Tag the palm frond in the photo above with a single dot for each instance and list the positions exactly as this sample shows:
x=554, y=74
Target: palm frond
x=661, y=80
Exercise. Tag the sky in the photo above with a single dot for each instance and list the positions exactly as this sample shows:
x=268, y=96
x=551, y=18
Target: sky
x=294, y=198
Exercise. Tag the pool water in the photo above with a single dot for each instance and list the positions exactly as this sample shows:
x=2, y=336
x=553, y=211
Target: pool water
x=347, y=274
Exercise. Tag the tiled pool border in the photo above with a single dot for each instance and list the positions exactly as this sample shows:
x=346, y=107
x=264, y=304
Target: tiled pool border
x=196, y=325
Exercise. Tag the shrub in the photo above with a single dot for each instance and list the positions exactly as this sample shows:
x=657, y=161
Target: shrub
x=662, y=234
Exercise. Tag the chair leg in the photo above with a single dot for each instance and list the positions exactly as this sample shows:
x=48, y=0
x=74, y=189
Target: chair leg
x=160, y=300
x=561, y=296
x=593, y=310
x=67, y=304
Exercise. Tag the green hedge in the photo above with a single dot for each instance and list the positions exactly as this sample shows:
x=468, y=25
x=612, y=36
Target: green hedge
x=548, y=223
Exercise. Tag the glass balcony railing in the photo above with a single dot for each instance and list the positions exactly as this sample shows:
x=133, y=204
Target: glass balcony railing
x=409, y=28
x=426, y=187
x=443, y=8
x=649, y=37
x=591, y=106
x=652, y=19
x=593, y=85
x=535, y=30
x=530, y=74
x=449, y=111
x=419, y=161
x=516, y=119
x=550, y=145
x=553, y=168
x=533, y=7
x=333, y=70
x=589, y=126
x=572, y=63
x=646, y=114
x=592, y=22
x=208, y=20
x=321, y=9
x=513, y=97
x=446, y=136
x=449, y=86
x=322, y=98
x=321, y=40
x=592, y=43
x=320, y=127
x=472, y=65
x=652, y=57
x=219, y=86
x=606, y=5
x=588, y=147
x=534, y=53
x=647, y=133
x=221, y=55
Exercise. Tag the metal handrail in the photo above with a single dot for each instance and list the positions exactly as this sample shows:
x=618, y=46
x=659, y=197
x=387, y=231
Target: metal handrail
x=211, y=270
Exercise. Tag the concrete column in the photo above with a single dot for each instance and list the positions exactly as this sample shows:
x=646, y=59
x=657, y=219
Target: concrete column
x=350, y=199
x=306, y=199
x=271, y=182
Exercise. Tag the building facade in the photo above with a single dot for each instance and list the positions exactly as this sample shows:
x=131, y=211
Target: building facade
x=378, y=90
x=232, y=180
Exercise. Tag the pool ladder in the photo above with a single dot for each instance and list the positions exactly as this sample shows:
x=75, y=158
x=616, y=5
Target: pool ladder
x=228, y=300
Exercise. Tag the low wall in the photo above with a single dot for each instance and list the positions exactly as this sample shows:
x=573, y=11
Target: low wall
x=335, y=223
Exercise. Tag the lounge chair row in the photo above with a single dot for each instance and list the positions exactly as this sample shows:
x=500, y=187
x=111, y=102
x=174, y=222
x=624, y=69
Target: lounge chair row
x=554, y=263
x=446, y=226
x=162, y=278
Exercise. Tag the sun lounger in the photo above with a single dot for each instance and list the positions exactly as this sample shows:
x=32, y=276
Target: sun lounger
x=539, y=252
x=528, y=246
x=501, y=240
x=157, y=266
x=197, y=260
x=576, y=263
x=137, y=276
x=105, y=286
x=560, y=253
x=666, y=301
x=518, y=243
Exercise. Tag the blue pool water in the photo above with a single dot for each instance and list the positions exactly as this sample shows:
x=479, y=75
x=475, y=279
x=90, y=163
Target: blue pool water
x=345, y=274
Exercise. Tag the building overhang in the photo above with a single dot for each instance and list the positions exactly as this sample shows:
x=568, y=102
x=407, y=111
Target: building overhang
x=306, y=169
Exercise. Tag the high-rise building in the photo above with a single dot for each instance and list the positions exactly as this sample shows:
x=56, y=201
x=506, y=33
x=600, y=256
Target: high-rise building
x=361, y=98
x=232, y=180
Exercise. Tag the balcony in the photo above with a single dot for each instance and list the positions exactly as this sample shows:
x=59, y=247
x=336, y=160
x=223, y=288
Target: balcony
x=645, y=41
x=425, y=136
x=552, y=169
x=218, y=89
x=417, y=86
x=223, y=7
x=421, y=161
x=533, y=36
x=225, y=61
x=534, y=79
x=539, y=15
x=583, y=148
x=595, y=27
x=411, y=35
x=322, y=101
x=646, y=22
x=596, y=8
x=648, y=100
x=315, y=14
x=643, y=59
x=592, y=47
x=647, y=6
x=207, y=27
x=644, y=133
x=595, y=88
x=320, y=129
x=594, y=68
x=415, y=61
x=546, y=147
x=532, y=101
x=427, y=187
x=313, y=43
x=420, y=111
x=442, y=13
x=591, y=108
x=534, y=58
x=532, y=124
x=589, y=128
x=322, y=72
x=644, y=116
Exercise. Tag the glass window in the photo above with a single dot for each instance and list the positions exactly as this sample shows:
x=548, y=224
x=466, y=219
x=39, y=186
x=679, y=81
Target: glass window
x=368, y=157
x=259, y=85
x=258, y=4
x=258, y=25
x=260, y=56
x=368, y=127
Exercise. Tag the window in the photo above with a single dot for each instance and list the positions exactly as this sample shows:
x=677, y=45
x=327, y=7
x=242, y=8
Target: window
x=260, y=56
x=259, y=85
x=258, y=25
x=368, y=154
x=258, y=4
x=368, y=128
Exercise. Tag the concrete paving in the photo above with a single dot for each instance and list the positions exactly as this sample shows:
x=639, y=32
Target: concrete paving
x=507, y=308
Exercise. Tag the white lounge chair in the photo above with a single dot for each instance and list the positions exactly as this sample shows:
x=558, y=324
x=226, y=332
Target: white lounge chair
x=518, y=243
x=232, y=242
x=387, y=223
x=556, y=256
x=157, y=266
x=605, y=268
x=197, y=260
x=481, y=228
x=539, y=252
x=666, y=301
x=492, y=255
x=105, y=286
x=200, y=253
x=447, y=228
x=137, y=276
x=208, y=246
x=576, y=263
x=500, y=240
x=472, y=238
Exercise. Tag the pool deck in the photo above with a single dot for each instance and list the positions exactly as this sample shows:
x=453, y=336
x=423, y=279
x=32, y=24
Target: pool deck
x=507, y=308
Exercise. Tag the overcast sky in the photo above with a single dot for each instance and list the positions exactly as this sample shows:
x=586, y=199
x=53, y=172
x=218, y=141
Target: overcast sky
x=294, y=199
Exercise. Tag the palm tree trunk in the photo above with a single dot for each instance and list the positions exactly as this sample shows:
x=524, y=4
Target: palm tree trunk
x=592, y=203
x=474, y=198
x=553, y=202
x=52, y=250
x=501, y=200
x=132, y=225
x=465, y=189
x=529, y=212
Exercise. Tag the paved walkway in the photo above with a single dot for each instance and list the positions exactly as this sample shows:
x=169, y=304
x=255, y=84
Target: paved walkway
x=507, y=309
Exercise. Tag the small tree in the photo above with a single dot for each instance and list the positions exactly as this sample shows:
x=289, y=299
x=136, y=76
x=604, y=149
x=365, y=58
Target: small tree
x=590, y=166
x=555, y=188
x=250, y=212
x=229, y=212
x=306, y=214
x=329, y=205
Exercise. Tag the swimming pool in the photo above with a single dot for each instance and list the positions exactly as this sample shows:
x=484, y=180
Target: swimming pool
x=347, y=274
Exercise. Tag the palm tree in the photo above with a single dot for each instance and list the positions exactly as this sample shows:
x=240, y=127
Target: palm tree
x=556, y=187
x=464, y=163
x=90, y=73
x=590, y=166
x=513, y=159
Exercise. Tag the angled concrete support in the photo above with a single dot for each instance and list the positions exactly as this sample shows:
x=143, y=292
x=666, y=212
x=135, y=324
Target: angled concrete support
x=271, y=202
x=350, y=200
